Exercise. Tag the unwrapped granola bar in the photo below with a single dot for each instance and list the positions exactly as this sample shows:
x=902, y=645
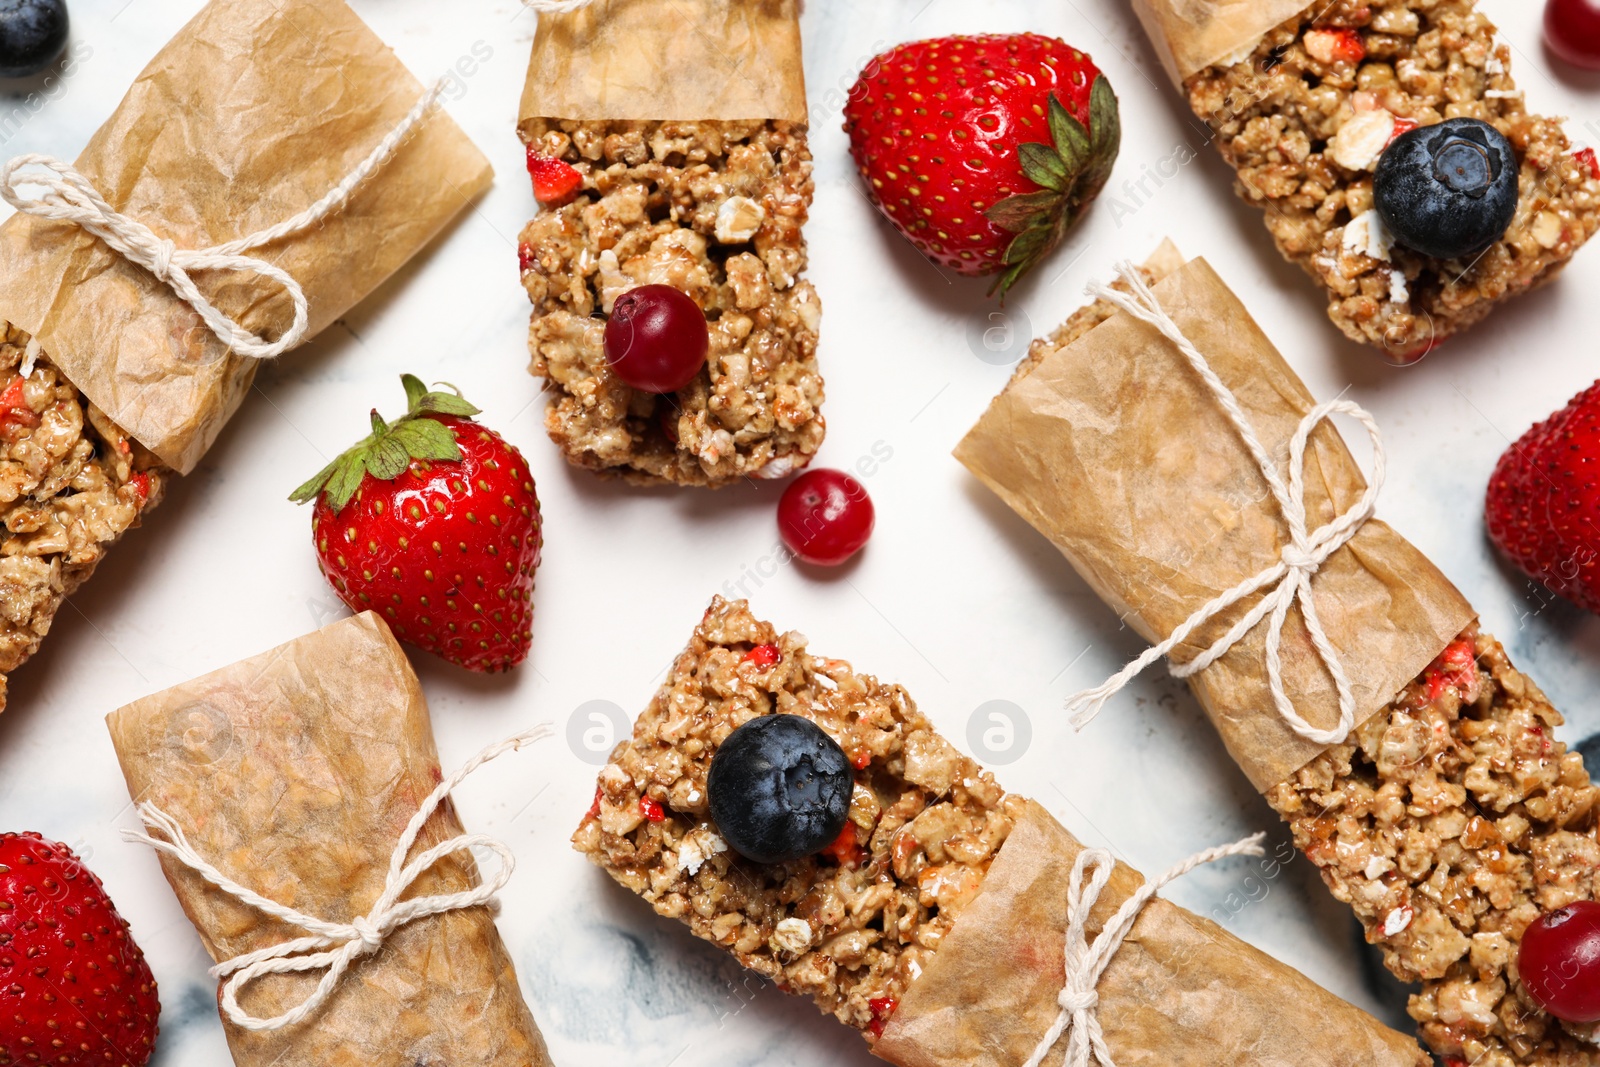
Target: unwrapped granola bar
x=934, y=923
x=251, y=114
x=295, y=773
x=1303, y=99
x=685, y=132
x=1450, y=818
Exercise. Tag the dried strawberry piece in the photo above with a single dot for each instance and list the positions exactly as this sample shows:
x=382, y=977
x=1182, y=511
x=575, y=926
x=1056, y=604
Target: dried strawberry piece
x=1338, y=44
x=881, y=1008
x=845, y=850
x=1402, y=125
x=525, y=257
x=651, y=809
x=1586, y=156
x=763, y=655
x=14, y=407
x=141, y=485
x=1456, y=668
x=594, y=809
x=554, y=182
x=862, y=759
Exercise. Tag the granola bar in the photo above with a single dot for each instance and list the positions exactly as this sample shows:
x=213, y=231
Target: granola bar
x=715, y=210
x=1304, y=117
x=1449, y=822
x=71, y=484
x=850, y=928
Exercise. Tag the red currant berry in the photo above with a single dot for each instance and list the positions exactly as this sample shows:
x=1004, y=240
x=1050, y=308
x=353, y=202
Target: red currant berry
x=825, y=517
x=656, y=339
x=1572, y=30
x=1559, y=962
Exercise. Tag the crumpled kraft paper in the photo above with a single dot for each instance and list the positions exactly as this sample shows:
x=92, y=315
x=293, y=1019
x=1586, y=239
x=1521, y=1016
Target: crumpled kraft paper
x=1191, y=35
x=1181, y=992
x=1115, y=450
x=295, y=773
x=253, y=112
x=668, y=60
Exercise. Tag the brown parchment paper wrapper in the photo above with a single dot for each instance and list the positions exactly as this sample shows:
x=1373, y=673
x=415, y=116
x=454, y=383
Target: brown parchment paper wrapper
x=1181, y=992
x=296, y=772
x=253, y=112
x=668, y=60
x=1115, y=450
x=1191, y=35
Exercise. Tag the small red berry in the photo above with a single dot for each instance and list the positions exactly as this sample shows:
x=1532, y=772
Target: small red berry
x=825, y=516
x=651, y=809
x=656, y=339
x=1559, y=962
x=554, y=182
x=1572, y=30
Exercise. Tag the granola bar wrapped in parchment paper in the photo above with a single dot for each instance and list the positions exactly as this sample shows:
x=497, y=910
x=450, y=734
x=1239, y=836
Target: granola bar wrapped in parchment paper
x=295, y=772
x=936, y=924
x=249, y=116
x=1181, y=992
x=667, y=143
x=1449, y=818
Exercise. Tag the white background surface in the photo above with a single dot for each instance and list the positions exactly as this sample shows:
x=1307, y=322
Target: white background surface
x=955, y=597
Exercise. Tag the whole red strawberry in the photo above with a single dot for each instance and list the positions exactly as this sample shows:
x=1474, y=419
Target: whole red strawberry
x=1544, y=501
x=433, y=521
x=74, y=988
x=983, y=151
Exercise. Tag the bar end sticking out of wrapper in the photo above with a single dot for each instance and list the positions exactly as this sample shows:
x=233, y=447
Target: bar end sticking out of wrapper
x=1114, y=449
x=252, y=113
x=1190, y=35
x=295, y=772
x=680, y=60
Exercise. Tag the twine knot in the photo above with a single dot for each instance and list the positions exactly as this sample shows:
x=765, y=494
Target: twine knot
x=1287, y=581
x=332, y=947
x=1085, y=962
x=70, y=197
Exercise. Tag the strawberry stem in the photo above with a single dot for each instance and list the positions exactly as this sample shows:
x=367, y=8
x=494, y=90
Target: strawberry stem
x=390, y=448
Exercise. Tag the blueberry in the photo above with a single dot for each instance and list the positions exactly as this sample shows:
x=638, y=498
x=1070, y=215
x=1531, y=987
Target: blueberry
x=1448, y=191
x=779, y=789
x=32, y=35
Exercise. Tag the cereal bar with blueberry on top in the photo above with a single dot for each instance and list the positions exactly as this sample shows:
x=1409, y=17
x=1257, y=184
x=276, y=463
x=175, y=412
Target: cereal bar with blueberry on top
x=713, y=209
x=1306, y=118
x=71, y=484
x=849, y=921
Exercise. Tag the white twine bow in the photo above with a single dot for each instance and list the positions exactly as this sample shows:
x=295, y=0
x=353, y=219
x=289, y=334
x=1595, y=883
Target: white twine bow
x=69, y=197
x=334, y=947
x=1301, y=557
x=1085, y=963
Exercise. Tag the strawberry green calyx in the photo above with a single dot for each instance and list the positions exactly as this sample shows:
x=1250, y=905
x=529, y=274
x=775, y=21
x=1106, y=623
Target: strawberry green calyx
x=1070, y=173
x=389, y=449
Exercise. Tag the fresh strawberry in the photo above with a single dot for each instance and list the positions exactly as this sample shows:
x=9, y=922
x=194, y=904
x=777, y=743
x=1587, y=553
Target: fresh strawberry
x=984, y=151
x=75, y=990
x=434, y=522
x=554, y=182
x=1543, y=509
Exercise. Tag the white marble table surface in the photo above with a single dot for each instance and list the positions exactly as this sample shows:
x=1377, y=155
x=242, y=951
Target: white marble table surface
x=956, y=597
